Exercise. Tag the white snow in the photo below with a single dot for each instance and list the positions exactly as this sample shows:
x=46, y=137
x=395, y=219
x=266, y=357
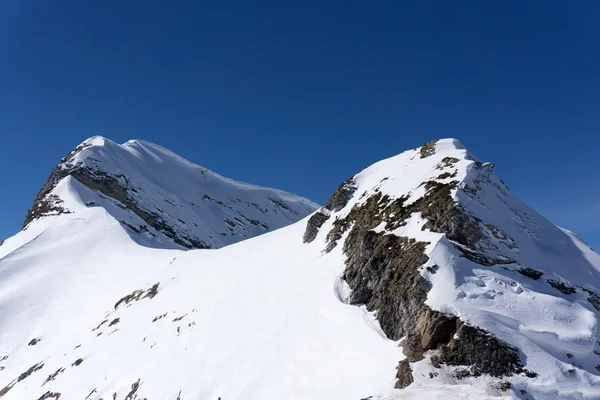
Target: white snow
x=266, y=318
x=190, y=199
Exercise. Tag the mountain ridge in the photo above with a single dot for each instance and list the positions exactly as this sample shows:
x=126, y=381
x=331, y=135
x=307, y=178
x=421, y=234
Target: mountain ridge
x=423, y=276
x=163, y=193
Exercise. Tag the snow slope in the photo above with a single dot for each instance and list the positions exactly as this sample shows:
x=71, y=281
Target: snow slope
x=268, y=317
x=163, y=199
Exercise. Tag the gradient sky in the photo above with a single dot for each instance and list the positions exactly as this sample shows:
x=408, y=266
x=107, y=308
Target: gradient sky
x=302, y=95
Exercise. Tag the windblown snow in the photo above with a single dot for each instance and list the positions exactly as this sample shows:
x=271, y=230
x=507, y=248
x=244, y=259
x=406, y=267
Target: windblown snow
x=86, y=312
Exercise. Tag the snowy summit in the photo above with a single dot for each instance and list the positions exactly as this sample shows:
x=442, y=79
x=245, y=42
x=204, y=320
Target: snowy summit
x=423, y=277
x=163, y=199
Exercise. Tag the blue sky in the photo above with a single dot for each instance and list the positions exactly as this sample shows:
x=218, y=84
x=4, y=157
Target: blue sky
x=301, y=95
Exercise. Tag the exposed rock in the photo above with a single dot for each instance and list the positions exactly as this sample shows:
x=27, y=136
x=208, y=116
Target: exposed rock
x=100, y=325
x=338, y=200
x=314, y=224
x=7, y=388
x=530, y=273
x=404, y=375
x=428, y=149
x=341, y=196
x=445, y=216
x=50, y=395
x=179, y=318
x=137, y=295
x=447, y=162
x=113, y=186
x=134, y=388
x=30, y=371
x=383, y=272
x=48, y=205
x=34, y=341
x=159, y=317
x=483, y=259
x=53, y=375
x=114, y=321
x=77, y=362
x=560, y=286
x=481, y=351
x=594, y=299
x=435, y=328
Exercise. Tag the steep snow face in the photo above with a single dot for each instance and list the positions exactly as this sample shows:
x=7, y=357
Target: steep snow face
x=163, y=199
x=87, y=312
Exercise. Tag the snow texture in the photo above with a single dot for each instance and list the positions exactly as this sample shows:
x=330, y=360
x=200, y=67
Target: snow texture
x=196, y=207
x=267, y=318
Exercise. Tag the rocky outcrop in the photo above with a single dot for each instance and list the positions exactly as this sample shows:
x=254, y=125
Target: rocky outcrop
x=314, y=224
x=339, y=199
x=479, y=351
x=428, y=149
x=383, y=271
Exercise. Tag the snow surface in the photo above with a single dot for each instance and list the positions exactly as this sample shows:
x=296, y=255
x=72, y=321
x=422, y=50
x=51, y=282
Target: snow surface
x=266, y=318
x=190, y=199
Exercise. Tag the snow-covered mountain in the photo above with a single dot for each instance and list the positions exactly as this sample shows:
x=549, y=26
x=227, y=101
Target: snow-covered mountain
x=163, y=199
x=422, y=277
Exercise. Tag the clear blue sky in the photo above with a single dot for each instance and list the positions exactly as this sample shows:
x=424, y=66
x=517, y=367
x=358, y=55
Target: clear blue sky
x=301, y=95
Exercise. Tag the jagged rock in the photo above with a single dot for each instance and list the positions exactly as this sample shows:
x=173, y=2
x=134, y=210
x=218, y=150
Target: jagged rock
x=314, y=224
x=50, y=395
x=594, y=299
x=530, y=272
x=435, y=328
x=481, y=351
x=483, y=259
x=382, y=271
x=30, y=371
x=428, y=149
x=341, y=196
x=562, y=287
x=404, y=375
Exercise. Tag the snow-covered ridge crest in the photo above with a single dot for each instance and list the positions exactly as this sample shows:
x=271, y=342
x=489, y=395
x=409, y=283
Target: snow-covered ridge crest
x=474, y=281
x=428, y=250
x=162, y=199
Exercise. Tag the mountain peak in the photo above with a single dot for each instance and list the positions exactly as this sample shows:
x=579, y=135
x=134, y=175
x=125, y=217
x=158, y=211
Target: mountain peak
x=423, y=275
x=450, y=260
x=162, y=199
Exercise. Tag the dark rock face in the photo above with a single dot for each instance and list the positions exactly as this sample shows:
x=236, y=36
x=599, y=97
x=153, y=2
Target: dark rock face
x=562, y=287
x=338, y=200
x=383, y=271
x=482, y=259
x=428, y=149
x=404, y=375
x=480, y=351
x=444, y=216
x=530, y=273
x=341, y=196
x=594, y=299
x=314, y=224
x=50, y=395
